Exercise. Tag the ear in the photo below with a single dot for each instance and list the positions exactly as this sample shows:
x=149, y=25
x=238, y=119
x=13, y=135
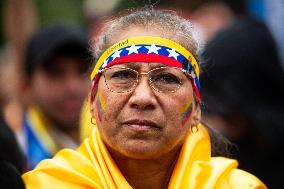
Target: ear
x=196, y=116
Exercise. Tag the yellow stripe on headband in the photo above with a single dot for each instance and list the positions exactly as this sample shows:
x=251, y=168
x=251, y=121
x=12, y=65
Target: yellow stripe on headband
x=145, y=40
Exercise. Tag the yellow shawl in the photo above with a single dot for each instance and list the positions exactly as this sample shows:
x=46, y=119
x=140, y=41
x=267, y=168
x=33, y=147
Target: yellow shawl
x=91, y=167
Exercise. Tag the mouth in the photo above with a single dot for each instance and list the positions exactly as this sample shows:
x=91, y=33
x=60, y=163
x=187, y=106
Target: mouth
x=142, y=125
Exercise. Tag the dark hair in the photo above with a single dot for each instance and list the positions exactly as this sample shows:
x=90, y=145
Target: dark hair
x=220, y=145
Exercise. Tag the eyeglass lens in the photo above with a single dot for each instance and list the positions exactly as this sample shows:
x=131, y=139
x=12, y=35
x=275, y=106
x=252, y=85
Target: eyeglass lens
x=163, y=79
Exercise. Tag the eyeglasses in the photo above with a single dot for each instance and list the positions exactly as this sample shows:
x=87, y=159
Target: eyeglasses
x=162, y=79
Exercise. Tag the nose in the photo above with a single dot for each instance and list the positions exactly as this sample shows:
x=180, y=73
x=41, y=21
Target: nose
x=143, y=97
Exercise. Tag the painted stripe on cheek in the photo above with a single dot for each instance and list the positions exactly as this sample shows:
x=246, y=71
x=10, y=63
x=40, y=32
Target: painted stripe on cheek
x=102, y=102
x=101, y=106
x=186, y=112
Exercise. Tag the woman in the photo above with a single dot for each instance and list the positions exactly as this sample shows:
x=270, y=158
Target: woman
x=145, y=100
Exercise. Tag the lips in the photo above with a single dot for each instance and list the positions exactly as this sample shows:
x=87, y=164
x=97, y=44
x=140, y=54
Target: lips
x=142, y=124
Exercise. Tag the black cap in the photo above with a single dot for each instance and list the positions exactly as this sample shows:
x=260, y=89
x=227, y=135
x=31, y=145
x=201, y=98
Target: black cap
x=52, y=40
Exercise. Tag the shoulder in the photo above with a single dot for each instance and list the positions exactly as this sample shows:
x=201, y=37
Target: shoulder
x=242, y=179
x=232, y=177
x=65, y=170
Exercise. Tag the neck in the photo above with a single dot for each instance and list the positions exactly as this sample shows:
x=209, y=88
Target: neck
x=149, y=173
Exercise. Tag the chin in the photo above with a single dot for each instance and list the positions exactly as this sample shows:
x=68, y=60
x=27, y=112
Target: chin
x=138, y=150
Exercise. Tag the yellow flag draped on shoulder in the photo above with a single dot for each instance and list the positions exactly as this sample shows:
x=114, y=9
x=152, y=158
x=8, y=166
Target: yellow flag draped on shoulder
x=91, y=167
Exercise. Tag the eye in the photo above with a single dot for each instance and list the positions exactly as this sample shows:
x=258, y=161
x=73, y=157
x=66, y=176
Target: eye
x=123, y=75
x=166, y=78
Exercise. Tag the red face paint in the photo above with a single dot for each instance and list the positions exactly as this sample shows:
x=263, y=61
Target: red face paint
x=186, y=112
x=101, y=105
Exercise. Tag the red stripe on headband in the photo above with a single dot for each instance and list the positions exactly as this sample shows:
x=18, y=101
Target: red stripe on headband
x=196, y=91
x=153, y=58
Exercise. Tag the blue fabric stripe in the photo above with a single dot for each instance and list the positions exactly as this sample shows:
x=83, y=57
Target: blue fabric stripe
x=35, y=150
x=163, y=51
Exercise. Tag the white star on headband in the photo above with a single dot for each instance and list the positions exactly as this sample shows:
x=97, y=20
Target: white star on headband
x=173, y=53
x=192, y=74
x=153, y=48
x=105, y=63
x=116, y=54
x=133, y=49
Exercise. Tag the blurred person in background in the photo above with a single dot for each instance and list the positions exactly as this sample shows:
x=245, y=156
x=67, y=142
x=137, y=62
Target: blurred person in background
x=56, y=62
x=272, y=13
x=243, y=87
x=210, y=18
x=11, y=158
x=18, y=23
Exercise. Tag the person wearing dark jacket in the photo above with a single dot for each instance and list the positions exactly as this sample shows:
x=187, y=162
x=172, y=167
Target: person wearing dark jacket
x=11, y=159
x=243, y=87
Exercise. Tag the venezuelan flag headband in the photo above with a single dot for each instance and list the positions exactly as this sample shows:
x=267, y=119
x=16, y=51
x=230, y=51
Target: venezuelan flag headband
x=148, y=49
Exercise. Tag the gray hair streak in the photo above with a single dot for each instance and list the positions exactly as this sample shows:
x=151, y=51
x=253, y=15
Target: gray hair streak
x=175, y=28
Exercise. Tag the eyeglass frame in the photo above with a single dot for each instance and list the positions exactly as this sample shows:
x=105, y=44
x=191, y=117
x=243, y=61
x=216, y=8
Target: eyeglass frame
x=144, y=73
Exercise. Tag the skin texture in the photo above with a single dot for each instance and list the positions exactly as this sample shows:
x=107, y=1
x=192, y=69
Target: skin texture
x=145, y=153
x=59, y=90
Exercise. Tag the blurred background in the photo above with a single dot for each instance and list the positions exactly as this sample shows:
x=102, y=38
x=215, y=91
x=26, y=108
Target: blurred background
x=239, y=41
x=20, y=18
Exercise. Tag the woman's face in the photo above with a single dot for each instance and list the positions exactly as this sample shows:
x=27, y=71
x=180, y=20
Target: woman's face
x=144, y=123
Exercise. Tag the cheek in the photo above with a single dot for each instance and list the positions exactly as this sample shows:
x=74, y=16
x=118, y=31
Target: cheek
x=108, y=107
x=185, y=111
x=101, y=106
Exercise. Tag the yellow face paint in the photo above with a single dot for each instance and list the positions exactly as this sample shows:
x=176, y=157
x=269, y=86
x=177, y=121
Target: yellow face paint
x=101, y=106
x=186, y=111
x=102, y=102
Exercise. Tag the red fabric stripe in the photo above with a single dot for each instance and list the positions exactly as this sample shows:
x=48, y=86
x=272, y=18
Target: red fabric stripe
x=196, y=91
x=153, y=58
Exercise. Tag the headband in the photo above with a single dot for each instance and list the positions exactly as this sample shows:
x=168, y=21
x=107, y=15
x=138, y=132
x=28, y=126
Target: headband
x=148, y=49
